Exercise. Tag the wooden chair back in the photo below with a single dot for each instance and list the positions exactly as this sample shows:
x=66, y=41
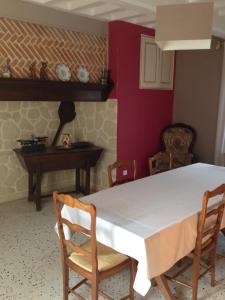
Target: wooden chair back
x=210, y=220
x=160, y=162
x=209, y=224
x=91, y=232
x=118, y=167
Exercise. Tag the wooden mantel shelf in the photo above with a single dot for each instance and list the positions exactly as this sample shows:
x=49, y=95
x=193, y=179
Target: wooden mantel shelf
x=14, y=89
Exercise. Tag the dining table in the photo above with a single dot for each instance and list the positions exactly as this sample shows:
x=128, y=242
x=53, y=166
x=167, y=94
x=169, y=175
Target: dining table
x=153, y=220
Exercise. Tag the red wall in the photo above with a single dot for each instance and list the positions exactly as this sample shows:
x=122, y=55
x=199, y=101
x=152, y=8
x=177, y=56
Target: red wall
x=142, y=113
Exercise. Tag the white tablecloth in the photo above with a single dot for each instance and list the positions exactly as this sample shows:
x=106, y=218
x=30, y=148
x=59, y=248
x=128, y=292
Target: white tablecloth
x=153, y=219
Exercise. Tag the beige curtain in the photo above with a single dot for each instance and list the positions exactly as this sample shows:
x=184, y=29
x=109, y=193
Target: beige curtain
x=220, y=137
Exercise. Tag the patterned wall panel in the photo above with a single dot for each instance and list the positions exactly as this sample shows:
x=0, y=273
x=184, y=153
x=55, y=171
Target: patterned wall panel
x=24, y=43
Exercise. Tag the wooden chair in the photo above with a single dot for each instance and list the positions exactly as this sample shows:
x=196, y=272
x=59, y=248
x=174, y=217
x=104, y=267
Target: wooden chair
x=160, y=162
x=206, y=242
x=117, y=169
x=91, y=260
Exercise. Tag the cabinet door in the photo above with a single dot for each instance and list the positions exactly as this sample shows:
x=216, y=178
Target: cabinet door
x=149, y=63
x=156, y=66
x=166, y=66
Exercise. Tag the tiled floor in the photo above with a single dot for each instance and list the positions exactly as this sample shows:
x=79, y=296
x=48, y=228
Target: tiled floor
x=30, y=260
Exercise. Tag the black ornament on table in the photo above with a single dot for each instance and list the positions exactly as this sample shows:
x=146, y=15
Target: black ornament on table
x=34, y=144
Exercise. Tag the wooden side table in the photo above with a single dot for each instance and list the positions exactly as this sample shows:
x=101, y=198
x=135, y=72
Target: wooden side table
x=52, y=159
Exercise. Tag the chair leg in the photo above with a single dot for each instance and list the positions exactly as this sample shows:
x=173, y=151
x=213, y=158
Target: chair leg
x=133, y=270
x=65, y=282
x=223, y=231
x=94, y=290
x=195, y=277
x=213, y=264
x=153, y=282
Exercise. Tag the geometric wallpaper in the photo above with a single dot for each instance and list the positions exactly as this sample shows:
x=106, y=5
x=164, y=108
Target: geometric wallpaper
x=24, y=43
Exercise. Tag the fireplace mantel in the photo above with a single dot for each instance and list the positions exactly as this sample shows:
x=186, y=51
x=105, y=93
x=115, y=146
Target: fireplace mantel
x=17, y=89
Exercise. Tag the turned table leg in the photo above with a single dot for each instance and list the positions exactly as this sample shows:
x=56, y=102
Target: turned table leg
x=78, y=189
x=38, y=189
x=164, y=287
x=86, y=188
x=30, y=186
x=87, y=180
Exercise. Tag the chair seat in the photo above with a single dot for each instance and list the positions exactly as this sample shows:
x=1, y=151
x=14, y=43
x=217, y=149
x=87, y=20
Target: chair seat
x=122, y=181
x=107, y=257
x=159, y=169
x=87, y=257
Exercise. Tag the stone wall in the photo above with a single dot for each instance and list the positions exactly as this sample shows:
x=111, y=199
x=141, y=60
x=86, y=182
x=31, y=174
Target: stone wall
x=21, y=120
x=95, y=122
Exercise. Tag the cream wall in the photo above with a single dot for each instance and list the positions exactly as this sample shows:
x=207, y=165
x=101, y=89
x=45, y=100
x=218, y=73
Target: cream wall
x=95, y=122
x=25, y=11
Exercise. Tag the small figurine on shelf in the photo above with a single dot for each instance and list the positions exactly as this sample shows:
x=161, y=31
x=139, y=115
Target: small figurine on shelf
x=6, y=69
x=33, y=74
x=105, y=79
x=66, y=140
x=43, y=71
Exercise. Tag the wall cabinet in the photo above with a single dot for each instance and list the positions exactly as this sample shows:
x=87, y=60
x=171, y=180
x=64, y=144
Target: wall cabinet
x=156, y=66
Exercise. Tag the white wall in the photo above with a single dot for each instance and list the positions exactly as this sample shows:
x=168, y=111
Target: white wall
x=24, y=11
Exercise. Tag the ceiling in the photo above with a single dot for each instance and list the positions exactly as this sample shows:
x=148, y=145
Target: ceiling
x=141, y=12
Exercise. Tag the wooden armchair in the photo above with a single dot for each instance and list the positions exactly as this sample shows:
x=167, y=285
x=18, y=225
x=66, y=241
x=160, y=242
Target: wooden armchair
x=206, y=242
x=91, y=260
x=179, y=139
x=160, y=162
x=121, y=171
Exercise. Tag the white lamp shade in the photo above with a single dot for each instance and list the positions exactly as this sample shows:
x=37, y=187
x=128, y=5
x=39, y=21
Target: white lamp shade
x=184, y=26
